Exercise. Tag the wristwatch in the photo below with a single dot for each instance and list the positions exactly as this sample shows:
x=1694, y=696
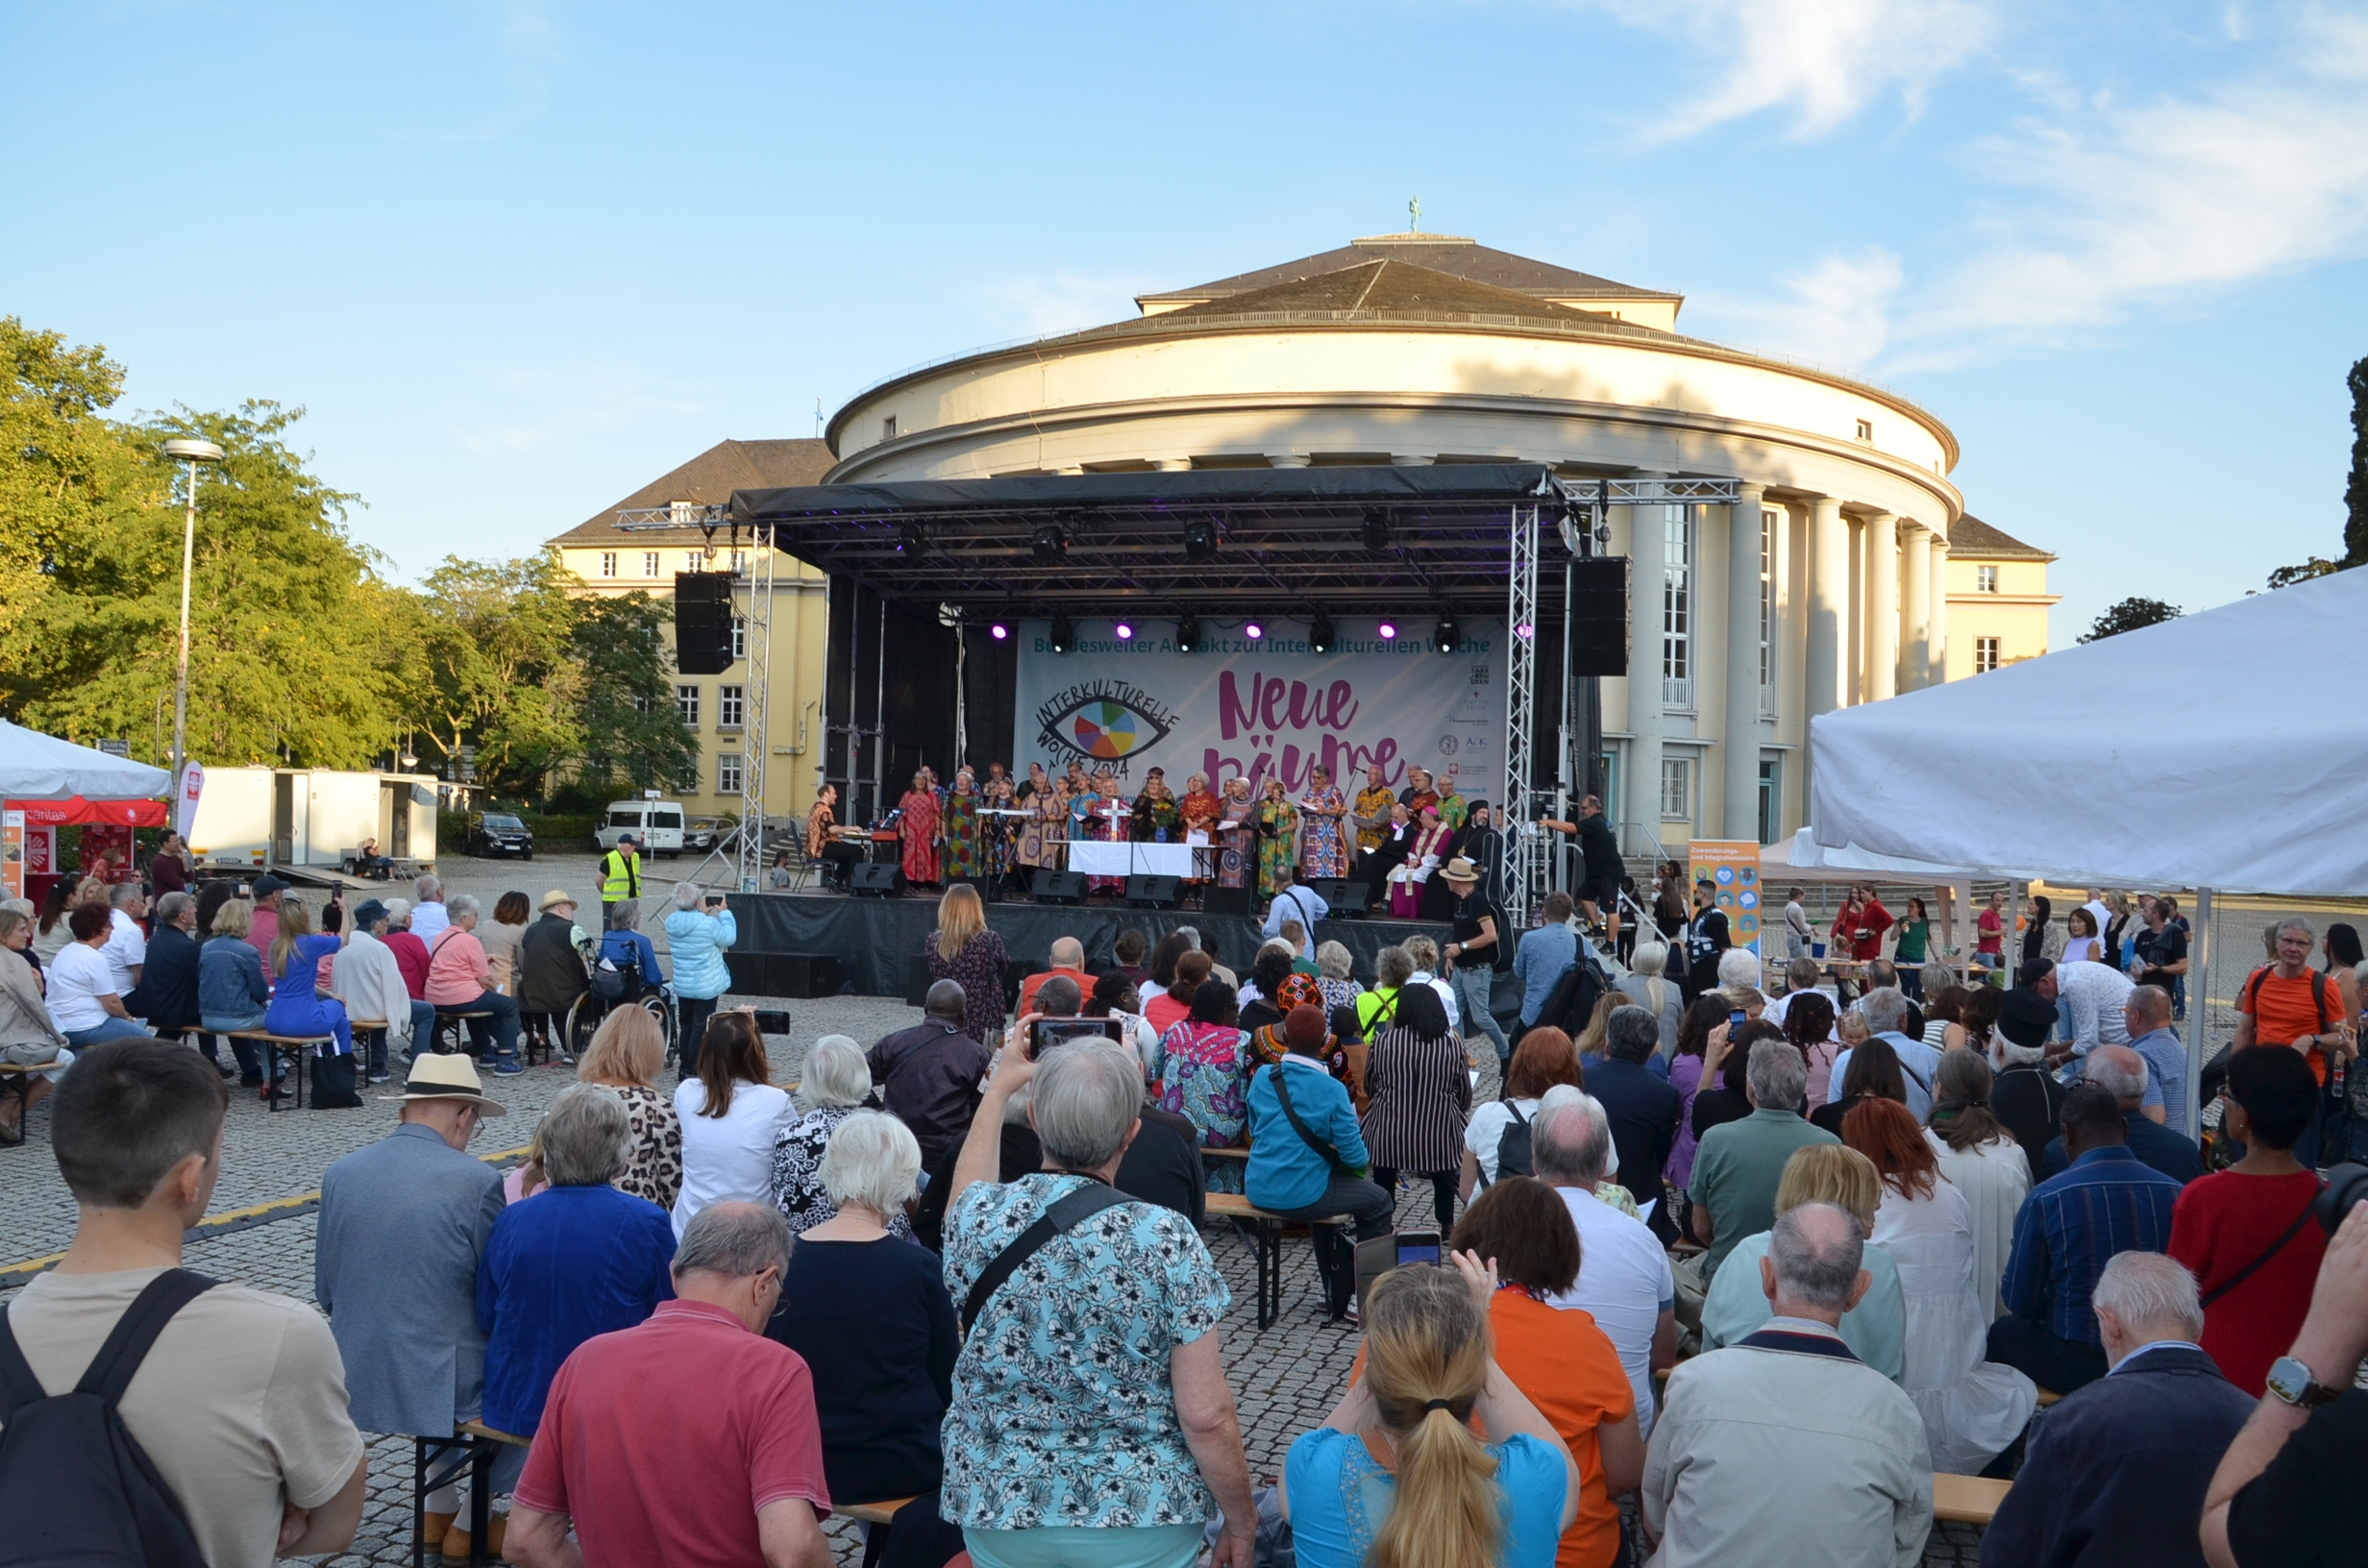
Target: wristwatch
x=2291, y=1381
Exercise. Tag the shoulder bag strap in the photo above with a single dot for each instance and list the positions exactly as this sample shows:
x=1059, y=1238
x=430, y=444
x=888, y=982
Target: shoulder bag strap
x=1062, y=1215
x=2274, y=1248
x=1307, y=1135
x=111, y=1370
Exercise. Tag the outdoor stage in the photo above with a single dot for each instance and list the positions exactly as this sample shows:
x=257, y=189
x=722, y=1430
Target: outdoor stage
x=876, y=939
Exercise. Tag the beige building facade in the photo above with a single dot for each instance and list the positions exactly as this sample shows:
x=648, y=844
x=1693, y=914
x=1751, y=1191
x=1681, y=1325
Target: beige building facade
x=1998, y=599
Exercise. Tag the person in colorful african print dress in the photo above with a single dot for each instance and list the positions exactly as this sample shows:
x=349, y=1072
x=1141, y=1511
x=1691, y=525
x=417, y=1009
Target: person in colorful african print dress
x=1278, y=835
x=1092, y=820
x=1200, y=810
x=1236, y=836
x=920, y=829
x=1203, y=1077
x=998, y=837
x=1373, y=803
x=1324, y=843
x=964, y=826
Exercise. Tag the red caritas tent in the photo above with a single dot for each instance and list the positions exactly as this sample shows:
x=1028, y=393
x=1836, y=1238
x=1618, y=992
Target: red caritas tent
x=81, y=813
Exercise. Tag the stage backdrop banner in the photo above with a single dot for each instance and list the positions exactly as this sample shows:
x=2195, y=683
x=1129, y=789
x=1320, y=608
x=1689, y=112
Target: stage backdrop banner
x=1235, y=706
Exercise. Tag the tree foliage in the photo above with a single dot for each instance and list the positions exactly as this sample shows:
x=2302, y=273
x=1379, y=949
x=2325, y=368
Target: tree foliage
x=628, y=696
x=2128, y=616
x=2355, y=489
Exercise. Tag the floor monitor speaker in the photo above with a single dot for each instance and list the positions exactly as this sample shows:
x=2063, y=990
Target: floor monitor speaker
x=1151, y=892
x=1346, y=896
x=1053, y=887
x=1217, y=900
x=877, y=879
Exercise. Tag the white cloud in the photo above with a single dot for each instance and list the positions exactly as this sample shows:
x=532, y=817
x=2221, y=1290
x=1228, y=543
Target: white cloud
x=1836, y=313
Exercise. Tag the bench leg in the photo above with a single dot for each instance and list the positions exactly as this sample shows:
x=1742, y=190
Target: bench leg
x=481, y=1498
x=876, y=1543
x=19, y=1085
x=426, y=1478
x=1269, y=1273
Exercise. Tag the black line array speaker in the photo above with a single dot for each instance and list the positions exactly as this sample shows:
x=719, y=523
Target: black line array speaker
x=1151, y=892
x=1599, y=616
x=1217, y=900
x=877, y=879
x=703, y=622
x=1346, y=896
x=1053, y=887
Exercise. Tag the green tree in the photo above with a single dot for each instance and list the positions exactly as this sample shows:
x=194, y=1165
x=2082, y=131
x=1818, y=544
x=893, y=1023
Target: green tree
x=497, y=667
x=62, y=469
x=2128, y=616
x=2355, y=492
x=632, y=734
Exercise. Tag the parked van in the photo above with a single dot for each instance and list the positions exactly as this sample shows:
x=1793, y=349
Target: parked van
x=657, y=824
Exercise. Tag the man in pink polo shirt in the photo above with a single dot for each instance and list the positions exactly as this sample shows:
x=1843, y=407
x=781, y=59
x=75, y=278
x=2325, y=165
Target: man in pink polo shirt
x=690, y=1439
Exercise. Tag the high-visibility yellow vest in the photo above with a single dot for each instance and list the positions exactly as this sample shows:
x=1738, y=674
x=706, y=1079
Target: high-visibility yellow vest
x=620, y=876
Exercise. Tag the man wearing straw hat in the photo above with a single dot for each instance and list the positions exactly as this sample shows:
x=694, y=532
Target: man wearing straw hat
x=1475, y=948
x=403, y=1223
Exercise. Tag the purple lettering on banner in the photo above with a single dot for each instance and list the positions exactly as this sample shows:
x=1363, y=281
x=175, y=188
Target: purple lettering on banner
x=1341, y=695
x=1233, y=715
x=1269, y=696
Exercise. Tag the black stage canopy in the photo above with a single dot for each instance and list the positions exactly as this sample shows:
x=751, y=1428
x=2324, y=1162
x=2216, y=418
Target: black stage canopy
x=1353, y=539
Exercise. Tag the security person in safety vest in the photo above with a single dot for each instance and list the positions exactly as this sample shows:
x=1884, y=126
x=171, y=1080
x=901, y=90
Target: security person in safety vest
x=620, y=874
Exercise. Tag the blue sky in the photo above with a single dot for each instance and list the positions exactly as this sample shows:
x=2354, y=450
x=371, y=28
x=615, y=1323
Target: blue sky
x=518, y=259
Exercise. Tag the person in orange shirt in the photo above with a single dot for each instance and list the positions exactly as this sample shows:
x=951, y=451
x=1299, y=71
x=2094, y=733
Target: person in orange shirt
x=2288, y=1003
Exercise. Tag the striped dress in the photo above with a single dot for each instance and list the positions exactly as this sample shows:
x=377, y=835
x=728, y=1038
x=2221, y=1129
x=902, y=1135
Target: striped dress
x=1420, y=1096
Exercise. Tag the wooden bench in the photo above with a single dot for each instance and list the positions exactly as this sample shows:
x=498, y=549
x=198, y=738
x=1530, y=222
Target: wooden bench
x=876, y=1519
x=16, y=1079
x=296, y=1048
x=1266, y=1231
x=1967, y=1500
x=471, y=1449
x=456, y=1019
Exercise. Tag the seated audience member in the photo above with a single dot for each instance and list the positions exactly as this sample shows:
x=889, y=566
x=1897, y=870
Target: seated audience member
x=127, y=941
x=1126, y=954
x=2147, y=1014
x=1885, y=1011
x=2070, y=1226
x=1116, y=996
x=240, y=1401
x=232, y=992
x=1542, y=957
x=552, y=976
x=1624, y=1282
x=624, y=1056
x=1738, y=981
x=1801, y=977
x=868, y=1313
x=1560, y=1360
x=2121, y=1072
x=1174, y=1005
x=1741, y=1164
x=1874, y=1074
x=2247, y=1232
x=1318, y=1172
x=460, y=976
x=579, y=1259
x=1068, y=963
x=28, y=1036
x=84, y=1002
x=1392, y=969
x=1876, y=1328
x=1545, y=1058
x=403, y=1224
x=1647, y=985
x=695, y=1393
x=168, y=976
x=430, y=915
x=1808, y=1024
x=1103, y=1340
x=409, y=951
x=1846, y=1466
x=1203, y=1063
x=1642, y=1104
x=1723, y=1095
x=370, y=982
x=1333, y=964
x=1396, y=1476
x=837, y=1082
x=1261, y=998
x=2116, y=1475
x=929, y=1075
x=1423, y=953
x=731, y=1118
x=1973, y=1407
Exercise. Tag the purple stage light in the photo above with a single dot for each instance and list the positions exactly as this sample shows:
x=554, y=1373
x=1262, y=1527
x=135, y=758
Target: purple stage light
x=1525, y=631
x=1125, y=631
x=1388, y=631
x=999, y=632
x=1253, y=631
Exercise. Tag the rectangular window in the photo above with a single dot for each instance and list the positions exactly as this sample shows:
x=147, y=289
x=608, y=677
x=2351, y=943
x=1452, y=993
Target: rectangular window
x=684, y=513
x=687, y=703
x=649, y=563
x=1984, y=579
x=608, y=563
x=694, y=560
x=728, y=774
x=1677, y=606
x=1769, y=523
x=1771, y=800
x=888, y=428
x=730, y=707
x=1866, y=430
x=739, y=562
x=1984, y=655
x=1677, y=789
x=739, y=637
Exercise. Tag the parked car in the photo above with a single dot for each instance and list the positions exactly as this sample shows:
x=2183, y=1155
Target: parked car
x=494, y=833
x=702, y=834
x=657, y=824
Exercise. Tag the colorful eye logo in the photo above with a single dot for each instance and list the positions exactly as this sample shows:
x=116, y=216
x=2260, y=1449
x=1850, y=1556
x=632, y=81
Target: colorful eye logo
x=1110, y=724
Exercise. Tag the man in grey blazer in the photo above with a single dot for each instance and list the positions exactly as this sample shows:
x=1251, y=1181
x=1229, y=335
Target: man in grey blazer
x=402, y=1225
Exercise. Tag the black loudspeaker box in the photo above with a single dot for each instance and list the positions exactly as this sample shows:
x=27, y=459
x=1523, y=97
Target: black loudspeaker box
x=1344, y=896
x=1599, y=616
x=1053, y=887
x=1151, y=892
x=703, y=622
x=986, y=886
x=785, y=974
x=1217, y=900
x=878, y=878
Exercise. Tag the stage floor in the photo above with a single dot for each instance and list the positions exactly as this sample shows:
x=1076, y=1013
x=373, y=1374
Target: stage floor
x=877, y=939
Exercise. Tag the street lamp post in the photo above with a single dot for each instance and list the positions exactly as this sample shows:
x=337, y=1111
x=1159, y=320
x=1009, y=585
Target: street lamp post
x=191, y=453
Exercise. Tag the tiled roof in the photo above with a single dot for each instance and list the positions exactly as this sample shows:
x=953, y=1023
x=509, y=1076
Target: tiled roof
x=709, y=479
x=1973, y=539
x=1456, y=256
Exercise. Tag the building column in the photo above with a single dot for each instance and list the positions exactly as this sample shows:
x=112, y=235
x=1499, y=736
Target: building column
x=1740, y=740
x=1882, y=606
x=1915, y=614
x=1939, y=643
x=1829, y=605
x=1648, y=585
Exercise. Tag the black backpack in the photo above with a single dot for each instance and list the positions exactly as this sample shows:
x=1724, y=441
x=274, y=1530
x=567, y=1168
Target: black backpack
x=1575, y=995
x=1513, y=1147
x=75, y=1487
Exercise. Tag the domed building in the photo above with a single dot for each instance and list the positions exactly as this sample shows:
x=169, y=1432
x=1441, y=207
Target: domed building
x=1826, y=584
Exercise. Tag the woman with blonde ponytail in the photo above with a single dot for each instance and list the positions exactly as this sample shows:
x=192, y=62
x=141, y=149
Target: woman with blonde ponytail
x=1395, y=1477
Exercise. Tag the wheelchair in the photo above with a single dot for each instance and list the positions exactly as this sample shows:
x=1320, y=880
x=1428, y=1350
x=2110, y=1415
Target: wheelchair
x=585, y=1014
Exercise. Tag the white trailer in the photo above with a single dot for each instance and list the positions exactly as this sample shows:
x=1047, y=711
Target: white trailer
x=298, y=817
x=232, y=825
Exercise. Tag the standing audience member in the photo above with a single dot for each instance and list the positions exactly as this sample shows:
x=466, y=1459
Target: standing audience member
x=460, y=979
x=1644, y=986
x=1416, y=1076
x=965, y=951
x=1741, y=1164
x=700, y=929
x=1785, y=1436
x=1543, y=957
x=624, y=1056
x=1310, y=1162
x=403, y=1224
x=731, y=1118
x=1091, y=1397
x=2116, y=1473
x=369, y=981
x=1641, y=1106
x=1876, y=1328
x=1623, y=1283
x=2121, y=1072
x=84, y=1002
x=837, y=1082
x=2089, y=1003
x=1983, y=1161
x=240, y=1401
x=2147, y=1015
x=737, y=1441
x=1475, y=951
x=929, y=1075
x=1396, y=1477
x=2289, y=1003
x=2070, y=1228
x=2247, y=1232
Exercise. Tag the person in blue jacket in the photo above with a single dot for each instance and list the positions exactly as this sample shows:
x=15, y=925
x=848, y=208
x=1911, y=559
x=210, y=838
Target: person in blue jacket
x=1321, y=1171
x=699, y=929
x=623, y=945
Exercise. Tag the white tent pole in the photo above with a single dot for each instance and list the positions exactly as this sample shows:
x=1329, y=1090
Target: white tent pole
x=2199, y=980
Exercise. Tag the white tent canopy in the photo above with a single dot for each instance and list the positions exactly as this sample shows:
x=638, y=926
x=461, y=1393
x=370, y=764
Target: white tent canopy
x=39, y=766
x=1804, y=859
x=2223, y=750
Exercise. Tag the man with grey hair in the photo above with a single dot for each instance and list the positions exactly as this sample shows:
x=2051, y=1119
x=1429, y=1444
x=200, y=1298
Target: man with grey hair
x=1885, y=1011
x=1102, y=1314
x=2117, y=1472
x=1642, y=1107
x=1785, y=1436
x=2121, y=1072
x=697, y=1393
x=126, y=949
x=1625, y=1280
x=1800, y=974
x=1739, y=1163
x=167, y=995
x=428, y=913
x=2147, y=1016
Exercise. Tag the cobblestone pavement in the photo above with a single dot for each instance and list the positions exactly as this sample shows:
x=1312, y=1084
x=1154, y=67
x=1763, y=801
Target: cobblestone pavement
x=1286, y=1380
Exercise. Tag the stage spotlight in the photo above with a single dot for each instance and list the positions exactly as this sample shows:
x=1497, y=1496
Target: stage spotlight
x=1448, y=636
x=999, y=632
x=1252, y=630
x=1525, y=631
x=1188, y=634
x=1200, y=539
x=1063, y=635
x=1051, y=544
x=910, y=537
x=1319, y=635
x=1376, y=530
x=1127, y=631
x=1388, y=631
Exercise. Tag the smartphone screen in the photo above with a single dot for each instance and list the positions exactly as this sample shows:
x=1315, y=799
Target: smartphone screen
x=1417, y=1247
x=1735, y=1020
x=1046, y=1033
x=713, y=900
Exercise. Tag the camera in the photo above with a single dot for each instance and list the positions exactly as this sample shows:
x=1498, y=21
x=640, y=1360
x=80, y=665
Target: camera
x=2346, y=1184
x=1046, y=1033
x=1417, y=1247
